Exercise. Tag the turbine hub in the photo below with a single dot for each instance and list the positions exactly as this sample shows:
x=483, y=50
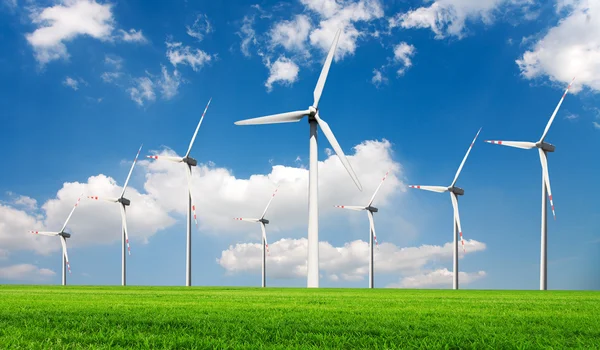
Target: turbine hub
x=372, y=209
x=457, y=191
x=65, y=234
x=126, y=202
x=190, y=161
x=544, y=146
x=264, y=221
x=312, y=112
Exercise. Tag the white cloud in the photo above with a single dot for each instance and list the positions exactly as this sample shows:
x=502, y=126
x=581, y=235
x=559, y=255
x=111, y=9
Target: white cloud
x=72, y=83
x=143, y=90
x=571, y=117
x=113, y=61
x=287, y=258
x=133, y=36
x=64, y=22
x=22, y=201
x=449, y=17
x=596, y=125
x=25, y=272
x=248, y=35
x=403, y=53
x=200, y=28
x=222, y=196
x=292, y=35
x=345, y=15
x=169, y=84
x=109, y=77
x=571, y=48
x=177, y=53
x=11, y=4
x=378, y=77
x=436, y=279
x=283, y=71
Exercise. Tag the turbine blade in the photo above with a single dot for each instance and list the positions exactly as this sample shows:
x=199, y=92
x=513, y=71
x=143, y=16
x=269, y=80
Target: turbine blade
x=96, y=198
x=63, y=242
x=457, y=219
x=44, y=233
x=245, y=219
x=350, y=207
x=438, y=189
x=544, y=162
x=197, y=128
x=189, y=181
x=338, y=150
x=378, y=187
x=516, y=144
x=288, y=117
x=464, y=159
x=131, y=170
x=556, y=111
x=70, y=214
x=268, y=204
x=124, y=223
x=372, y=225
x=171, y=159
x=264, y=234
x=325, y=71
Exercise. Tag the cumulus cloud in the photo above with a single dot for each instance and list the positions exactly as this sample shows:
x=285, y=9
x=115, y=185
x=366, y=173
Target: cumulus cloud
x=177, y=53
x=22, y=201
x=72, y=83
x=449, y=17
x=283, y=71
x=378, y=77
x=571, y=48
x=292, y=35
x=169, y=84
x=142, y=91
x=109, y=77
x=64, y=22
x=436, y=279
x=403, y=53
x=133, y=36
x=25, y=272
x=222, y=195
x=287, y=259
x=200, y=28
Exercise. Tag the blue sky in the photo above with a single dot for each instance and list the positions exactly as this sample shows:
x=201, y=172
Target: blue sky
x=85, y=82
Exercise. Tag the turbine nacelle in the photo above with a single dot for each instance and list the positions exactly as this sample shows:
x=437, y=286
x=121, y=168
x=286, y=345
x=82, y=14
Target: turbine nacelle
x=372, y=209
x=264, y=221
x=65, y=234
x=312, y=111
x=190, y=161
x=126, y=202
x=544, y=146
x=456, y=190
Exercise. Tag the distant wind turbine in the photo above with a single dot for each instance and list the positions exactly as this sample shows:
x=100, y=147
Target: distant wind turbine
x=123, y=202
x=265, y=245
x=543, y=148
x=189, y=163
x=63, y=241
x=313, y=119
x=372, y=236
x=454, y=192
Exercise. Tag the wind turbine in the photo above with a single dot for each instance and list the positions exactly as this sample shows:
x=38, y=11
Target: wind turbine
x=63, y=241
x=313, y=120
x=372, y=236
x=189, y=163
x=454, y=192
x=123, y=202
x=265, y=245
x=543, y=148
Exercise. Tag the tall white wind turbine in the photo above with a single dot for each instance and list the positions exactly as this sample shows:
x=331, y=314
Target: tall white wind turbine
x=314, y=119
x=123, y=203
x=265, y=245
x=370, y=209
x=63, y=241
x=189, y=163
x=454, y=192
x=543, y=149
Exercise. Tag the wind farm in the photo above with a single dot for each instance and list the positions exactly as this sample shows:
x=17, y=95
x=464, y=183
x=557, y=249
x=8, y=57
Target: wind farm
x=299, y=244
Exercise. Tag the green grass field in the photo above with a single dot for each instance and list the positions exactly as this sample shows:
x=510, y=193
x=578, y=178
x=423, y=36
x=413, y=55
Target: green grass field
x=36, y=317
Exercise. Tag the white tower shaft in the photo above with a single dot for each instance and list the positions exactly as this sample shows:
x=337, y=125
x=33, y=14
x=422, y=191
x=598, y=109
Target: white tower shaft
x=313, y=210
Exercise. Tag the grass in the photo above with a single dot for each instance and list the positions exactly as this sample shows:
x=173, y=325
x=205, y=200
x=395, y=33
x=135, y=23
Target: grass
x=36, y=317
